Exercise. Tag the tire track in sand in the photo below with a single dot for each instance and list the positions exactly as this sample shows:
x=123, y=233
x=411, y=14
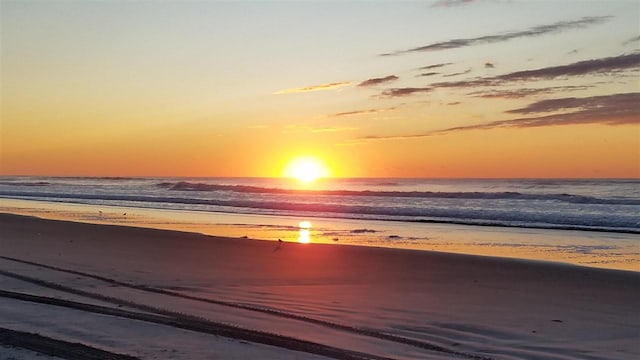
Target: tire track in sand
x=360, y=331
x=202, y=326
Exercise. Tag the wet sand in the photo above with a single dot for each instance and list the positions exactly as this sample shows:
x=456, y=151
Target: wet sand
x=378, y=302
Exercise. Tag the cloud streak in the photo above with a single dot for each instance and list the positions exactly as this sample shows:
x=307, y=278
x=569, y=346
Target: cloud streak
x=321, y=87
x=398, y=92
x=434, y=66
x=362, y=112
x=632, y=40
x=525, y=92
x=458, y=73
x=489, y=39
x=378, y=81
x=431, y=73
x=595, y=66
x=616, y=109
x=609, y=102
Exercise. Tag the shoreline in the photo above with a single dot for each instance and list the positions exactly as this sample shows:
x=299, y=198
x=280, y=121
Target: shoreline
x=454, y=255
x=585, y=248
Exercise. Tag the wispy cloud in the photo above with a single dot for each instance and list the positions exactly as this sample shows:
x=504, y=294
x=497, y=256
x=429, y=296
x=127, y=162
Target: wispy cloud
x=488, y=39
x=609, y=102
x=434, y=66
x=398, y=92
x=525, y=92
x=427, y=74
x=450, y=3
x=616, y=109
x=458, y=73
x=604, y=65
x=362, y=112
x=378, y=81
x=330, y=86
x=632, y=40
x=587, y=67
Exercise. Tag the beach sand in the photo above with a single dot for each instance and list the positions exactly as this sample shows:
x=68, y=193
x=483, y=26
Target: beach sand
x=174, y=293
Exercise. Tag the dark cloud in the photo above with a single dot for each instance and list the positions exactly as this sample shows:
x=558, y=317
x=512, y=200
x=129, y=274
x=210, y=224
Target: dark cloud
x=609, y=102
x=397, y=92
x=450, y=3
x=617, y=109
x=488, y=39
x=458, y=73
x=377, y=81
x=427, y=74
x=604, y=65
x=434, y=66
x=587, y=67
x=489, y=65
x=520, y=93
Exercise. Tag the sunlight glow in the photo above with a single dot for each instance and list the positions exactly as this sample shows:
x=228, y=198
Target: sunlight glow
x=306, y=169
x=304, y=236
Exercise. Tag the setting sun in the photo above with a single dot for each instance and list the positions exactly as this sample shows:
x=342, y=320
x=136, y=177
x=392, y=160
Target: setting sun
x=306, y=169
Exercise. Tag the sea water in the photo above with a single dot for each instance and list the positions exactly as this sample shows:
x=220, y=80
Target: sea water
x=589, y=222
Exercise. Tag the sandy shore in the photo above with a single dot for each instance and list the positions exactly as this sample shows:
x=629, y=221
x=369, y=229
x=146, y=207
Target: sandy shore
x=302, y=301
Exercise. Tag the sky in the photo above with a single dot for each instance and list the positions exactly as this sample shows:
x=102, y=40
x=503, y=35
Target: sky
x=446, y=88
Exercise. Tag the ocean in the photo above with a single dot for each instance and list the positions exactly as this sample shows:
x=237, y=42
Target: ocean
x=365, y=211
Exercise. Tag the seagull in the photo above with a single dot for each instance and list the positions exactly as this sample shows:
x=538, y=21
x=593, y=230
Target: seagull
x=279, y=245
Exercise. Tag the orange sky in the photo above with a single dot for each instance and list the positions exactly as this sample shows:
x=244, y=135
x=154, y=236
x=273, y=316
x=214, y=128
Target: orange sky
x=408, y=90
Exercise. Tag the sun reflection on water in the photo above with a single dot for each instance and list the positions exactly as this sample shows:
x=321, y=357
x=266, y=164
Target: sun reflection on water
x=304, y=234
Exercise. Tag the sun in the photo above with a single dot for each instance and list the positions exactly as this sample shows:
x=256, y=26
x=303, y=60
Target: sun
x=306, y=169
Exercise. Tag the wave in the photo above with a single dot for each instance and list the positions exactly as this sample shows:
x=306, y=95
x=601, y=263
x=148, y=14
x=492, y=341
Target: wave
x=25, y=183
x=568, y=198
x=470, y=216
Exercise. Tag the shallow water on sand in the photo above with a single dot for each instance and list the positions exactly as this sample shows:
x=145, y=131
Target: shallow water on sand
x=588, y=248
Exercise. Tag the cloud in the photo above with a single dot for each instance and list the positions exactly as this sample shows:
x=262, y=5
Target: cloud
x=488, y=39
x=616, y=109
x=427, y=74
x=525, y=92
x=450, y=3
x=434, y=66
x=603, y=65
x=398, y=92
x=320, y=87
x=609, y=102
x=458, y=73
x=632, y=40
x=595, y=66
x=361, y=112
x=377, y=81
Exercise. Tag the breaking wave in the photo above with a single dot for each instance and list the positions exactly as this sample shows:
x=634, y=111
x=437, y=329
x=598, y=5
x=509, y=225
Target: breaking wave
x=596, y=221
x=567, y=198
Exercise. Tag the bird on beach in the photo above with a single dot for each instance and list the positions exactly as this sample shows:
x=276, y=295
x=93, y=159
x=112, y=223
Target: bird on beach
x=279, y=245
